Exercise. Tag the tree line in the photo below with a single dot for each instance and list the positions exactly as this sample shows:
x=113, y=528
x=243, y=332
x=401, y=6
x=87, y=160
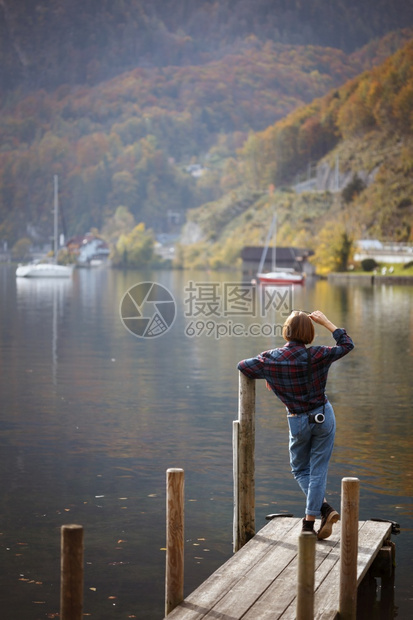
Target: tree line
x=48, y=43
x=128, y=141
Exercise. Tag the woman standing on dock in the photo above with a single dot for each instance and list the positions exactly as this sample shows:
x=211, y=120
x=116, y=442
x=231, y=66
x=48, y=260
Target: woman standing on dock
x=298, y=376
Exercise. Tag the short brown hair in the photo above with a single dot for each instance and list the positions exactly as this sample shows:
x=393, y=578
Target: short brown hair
x=298, y=327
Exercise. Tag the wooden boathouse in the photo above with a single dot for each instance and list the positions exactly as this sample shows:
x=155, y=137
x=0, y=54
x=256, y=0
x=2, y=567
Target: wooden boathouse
x=285, y=258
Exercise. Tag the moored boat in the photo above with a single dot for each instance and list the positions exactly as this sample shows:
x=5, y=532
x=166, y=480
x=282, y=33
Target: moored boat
x=48, y=269
x=282, y=276
x=44, y=270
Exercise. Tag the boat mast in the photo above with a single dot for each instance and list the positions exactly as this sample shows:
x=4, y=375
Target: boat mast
x=56, y=208
x=274, y=221
x=267, y=243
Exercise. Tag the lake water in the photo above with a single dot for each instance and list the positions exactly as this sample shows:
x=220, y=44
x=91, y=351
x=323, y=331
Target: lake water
x=91, y=416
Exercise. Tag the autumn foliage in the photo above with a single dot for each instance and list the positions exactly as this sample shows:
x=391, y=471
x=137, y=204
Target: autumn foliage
x=377, y=100
x=367, y=126
x=128, y=141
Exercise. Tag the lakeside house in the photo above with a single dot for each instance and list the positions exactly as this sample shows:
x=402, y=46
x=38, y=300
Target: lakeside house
x=88, y=248
x=383, y=252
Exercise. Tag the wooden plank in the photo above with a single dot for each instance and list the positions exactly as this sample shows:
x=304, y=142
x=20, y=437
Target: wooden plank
x=278, y=601
x=259, y=581
x=282, y=593
x=326, y=602
x=201, y=600
x=371, y=540
x=244, y=594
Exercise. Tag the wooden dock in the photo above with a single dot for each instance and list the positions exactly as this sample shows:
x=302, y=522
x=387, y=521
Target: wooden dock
x=278, y=572
x=259, y=582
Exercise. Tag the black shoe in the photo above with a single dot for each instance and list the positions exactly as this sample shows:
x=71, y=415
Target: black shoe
x=329, y=516
x=308, y=526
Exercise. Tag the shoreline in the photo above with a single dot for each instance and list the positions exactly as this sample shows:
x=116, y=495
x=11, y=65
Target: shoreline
x=369, y=278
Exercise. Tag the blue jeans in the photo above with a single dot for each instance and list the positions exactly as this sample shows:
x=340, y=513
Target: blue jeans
x=310, y=446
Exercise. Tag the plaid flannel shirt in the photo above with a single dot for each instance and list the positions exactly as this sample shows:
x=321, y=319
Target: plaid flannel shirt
x=286, y=371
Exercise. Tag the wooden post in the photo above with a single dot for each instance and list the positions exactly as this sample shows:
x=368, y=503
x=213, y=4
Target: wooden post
x=350, y=491
x=306, y=570
x=244, y=464
x=387, y=581
x=71, y=579
x=235, y=459
x=174, y=577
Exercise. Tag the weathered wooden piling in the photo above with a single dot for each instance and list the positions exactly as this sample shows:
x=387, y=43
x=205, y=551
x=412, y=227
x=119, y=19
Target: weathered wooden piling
x=174, y=575
x=244, y=464
x=350, y=492
x=305, y=577
x=71, y=577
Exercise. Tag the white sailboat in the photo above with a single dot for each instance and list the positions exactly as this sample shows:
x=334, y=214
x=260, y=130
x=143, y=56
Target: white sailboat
x=276, y=276
x=48, y=269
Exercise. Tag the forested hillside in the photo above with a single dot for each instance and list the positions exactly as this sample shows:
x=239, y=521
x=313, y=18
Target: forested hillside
x=367, y=126
x=127, y=141
x=47, y=43
x=120, y=98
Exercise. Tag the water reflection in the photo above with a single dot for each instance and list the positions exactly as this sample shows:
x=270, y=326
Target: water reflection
x=37, y=296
